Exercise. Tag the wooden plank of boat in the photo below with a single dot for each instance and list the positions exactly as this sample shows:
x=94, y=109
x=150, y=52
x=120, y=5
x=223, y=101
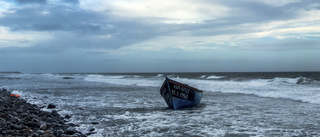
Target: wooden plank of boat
x=178, y=95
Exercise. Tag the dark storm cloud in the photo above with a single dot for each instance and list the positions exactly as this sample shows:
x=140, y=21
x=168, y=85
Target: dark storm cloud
x=74, y=19
x=82, y=27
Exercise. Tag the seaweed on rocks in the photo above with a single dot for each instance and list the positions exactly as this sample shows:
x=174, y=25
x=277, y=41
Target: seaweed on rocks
x=19, y=118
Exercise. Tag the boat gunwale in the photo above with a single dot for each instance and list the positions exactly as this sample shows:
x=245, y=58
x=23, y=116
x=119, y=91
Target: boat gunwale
x=185, y=85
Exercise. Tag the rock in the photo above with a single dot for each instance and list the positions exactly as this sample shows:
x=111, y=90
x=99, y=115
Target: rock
x=19, y=118
x=43, y=126
x=95, y=123
x=67, y=78
x=55, y=113
x=32, y=124
x=300, y=81
x=58, y=133
x=71, y=131
x=27, y=131
x=34, y=135
x=51, y=106
x=3, y=122
x=14, y=126
x=75, y=135
x=15, y=120
x=67, y=116
x=19, y=111
x=40, y=132
x=48, y=133
x=35, y=120
x=92, y=129
x=90, y=133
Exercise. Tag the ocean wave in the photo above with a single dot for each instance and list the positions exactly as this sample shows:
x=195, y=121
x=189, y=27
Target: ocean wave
x=160, y=75
x=297, y=80
x=124, y=80
x=214, y=77
x=298, y=88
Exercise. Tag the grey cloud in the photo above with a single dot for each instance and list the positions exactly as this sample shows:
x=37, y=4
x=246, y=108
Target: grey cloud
x=47, y=18
x=283, y=45
x=246, y=12
x=82, y=23
x=30, y=1
x=71, y=1
x=85, y=26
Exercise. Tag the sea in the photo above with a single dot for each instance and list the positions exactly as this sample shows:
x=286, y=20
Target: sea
x=129, y=104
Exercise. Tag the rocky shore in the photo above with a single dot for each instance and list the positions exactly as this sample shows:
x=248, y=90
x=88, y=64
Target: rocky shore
x=19, y=118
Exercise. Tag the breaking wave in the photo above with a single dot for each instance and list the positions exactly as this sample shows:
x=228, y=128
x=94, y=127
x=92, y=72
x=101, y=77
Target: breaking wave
x=214, y=77
x=123, y=80
x=299, y=88
x=298, y=80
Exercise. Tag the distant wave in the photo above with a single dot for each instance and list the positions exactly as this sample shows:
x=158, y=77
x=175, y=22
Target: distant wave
x=298, y=80
x=124, y=80
x=160, y=75
x=300, y=88
x=296, y=88
x=214, y=77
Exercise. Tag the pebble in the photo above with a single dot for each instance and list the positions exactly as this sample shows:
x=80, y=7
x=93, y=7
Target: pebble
x=67, y=116
x=14, y=126
x=51, y=106
x=95, y=123
x=43, y=126
x=71, y=130
x=58, y=133
x=55, y=113
x=19, y=118
x=3, y=122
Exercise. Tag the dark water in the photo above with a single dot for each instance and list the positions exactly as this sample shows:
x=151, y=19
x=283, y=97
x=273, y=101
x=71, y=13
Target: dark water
x=234, y=104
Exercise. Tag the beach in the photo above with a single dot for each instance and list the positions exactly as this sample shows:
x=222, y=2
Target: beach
x=233, y=104
x=19, y=118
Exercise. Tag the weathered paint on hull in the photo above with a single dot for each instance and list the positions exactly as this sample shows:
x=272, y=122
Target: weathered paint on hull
x=178, y=95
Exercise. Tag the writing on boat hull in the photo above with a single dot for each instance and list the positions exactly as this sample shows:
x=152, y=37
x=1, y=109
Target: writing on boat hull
x=182, y=92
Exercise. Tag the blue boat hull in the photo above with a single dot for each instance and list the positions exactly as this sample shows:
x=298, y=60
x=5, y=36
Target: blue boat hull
x=178, y=95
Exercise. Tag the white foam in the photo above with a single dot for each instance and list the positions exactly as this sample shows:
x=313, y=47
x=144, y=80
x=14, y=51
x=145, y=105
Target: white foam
x=21, y=75
x=214, y=77
x=276, y=88
x=48, y=75
x=286, y=80
x=292, y=88
x=160, y=75
x=18, y=93
x=122, y=80
x=63, y=113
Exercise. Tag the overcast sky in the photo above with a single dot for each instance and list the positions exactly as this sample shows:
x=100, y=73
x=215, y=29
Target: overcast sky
x=54, y=36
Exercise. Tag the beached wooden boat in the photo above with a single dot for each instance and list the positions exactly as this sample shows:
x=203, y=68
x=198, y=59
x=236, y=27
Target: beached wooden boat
x=178, y=95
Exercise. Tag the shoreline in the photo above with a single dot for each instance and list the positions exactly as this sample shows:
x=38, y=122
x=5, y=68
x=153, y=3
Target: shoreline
x=19, y=118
